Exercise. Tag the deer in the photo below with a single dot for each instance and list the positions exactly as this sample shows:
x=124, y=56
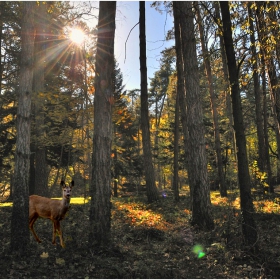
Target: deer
x=52, y=209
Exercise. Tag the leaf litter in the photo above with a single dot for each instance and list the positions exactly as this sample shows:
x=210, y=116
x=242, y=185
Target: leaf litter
x=151, y=241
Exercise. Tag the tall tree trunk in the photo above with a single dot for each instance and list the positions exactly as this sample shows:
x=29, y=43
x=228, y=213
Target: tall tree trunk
x=198, y=177
x=257, y=91
x=100, y=217
x=38, y=87
x=152, y=193
x=176, y=150
x=268, y=58
x=231, y=135
x=181, y=89
x=265, y=124
x=213, y=101
x=2, y=7
x=261, y=107
x=274, y=26
x=247, y=209
x=20, y=212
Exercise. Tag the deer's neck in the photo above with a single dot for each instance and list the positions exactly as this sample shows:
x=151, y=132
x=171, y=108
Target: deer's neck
x=65, y=202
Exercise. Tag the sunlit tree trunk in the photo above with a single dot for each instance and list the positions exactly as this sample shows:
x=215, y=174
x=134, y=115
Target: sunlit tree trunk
x=100, y=215
x=247, y=209
x=152, y=193
x=213, y=100
x=20, y=212
x=198, y=177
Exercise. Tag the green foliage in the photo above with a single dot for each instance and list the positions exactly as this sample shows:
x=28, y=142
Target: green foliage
x=127, y=161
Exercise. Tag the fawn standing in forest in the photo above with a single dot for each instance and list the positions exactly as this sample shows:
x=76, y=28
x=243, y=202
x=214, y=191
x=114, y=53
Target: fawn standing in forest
x=52, y=209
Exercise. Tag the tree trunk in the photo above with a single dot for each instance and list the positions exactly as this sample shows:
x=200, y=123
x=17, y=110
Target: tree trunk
x=152, y=193
x=101, y=179
x=181, y=89
x=20, y=212
x=198, y=177
x=247, y=209
x=231, y=135
x=257, y=91
x=273, y=87
x=268, y=58
x=2, y=6
x=176, y=151
x=265, y=124
x=38, y=87
x=213, y=101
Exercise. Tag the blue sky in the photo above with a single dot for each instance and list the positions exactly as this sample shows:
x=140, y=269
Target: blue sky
x=157, y=26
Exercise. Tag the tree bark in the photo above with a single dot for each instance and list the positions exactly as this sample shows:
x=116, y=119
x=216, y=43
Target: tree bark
x=247, y=209
x=181, y=89
x=198, y=177
x=2, y=10
x=176, y=151
x=213, y=101
x=20, y=212
x=101, y=174
x=257, y=92
x=231, y=135
x=38, y=88
x=152, y=192
x=270, y=65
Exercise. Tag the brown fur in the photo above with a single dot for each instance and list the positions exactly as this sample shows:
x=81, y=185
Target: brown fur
x=52, y=209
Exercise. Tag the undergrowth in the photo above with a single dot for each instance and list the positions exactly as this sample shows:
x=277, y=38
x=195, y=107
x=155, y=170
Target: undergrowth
x=151, y=241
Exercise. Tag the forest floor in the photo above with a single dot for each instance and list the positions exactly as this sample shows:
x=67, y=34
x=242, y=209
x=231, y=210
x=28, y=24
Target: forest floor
x=151, y=241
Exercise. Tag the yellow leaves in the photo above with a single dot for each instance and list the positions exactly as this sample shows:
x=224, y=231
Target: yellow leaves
x=267, y=206
x=7, y=119
x=219, y=201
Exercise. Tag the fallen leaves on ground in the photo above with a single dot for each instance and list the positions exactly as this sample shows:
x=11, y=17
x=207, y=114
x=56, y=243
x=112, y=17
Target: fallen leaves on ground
x=151, y=241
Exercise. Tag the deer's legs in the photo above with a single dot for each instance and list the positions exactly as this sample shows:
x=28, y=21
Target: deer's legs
x=57, y=229
x=32, y=220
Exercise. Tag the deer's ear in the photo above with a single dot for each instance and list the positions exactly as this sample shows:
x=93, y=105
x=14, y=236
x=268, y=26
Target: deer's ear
x=72, y=183
x=62, y=183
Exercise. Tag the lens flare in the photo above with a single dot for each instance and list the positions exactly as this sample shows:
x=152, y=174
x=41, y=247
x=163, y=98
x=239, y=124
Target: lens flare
x=198, y=250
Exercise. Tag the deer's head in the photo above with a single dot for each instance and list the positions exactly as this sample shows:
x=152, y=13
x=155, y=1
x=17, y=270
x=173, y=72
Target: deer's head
x=66, y=189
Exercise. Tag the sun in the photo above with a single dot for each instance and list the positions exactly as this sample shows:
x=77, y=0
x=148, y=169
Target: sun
x=77, y=36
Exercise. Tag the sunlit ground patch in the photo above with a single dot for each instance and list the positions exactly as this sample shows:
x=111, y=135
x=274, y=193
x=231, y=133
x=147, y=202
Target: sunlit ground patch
x=79, y=200
x=6, y=204
x=74, y=200
x=137, y=215
x=267, y=206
